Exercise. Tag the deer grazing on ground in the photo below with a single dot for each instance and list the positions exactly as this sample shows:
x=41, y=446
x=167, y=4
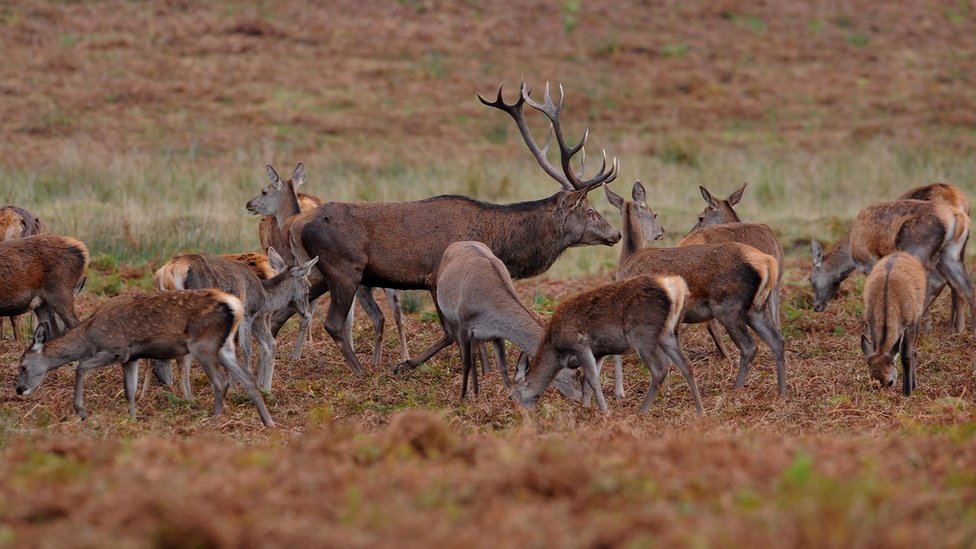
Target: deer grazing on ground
x=17, y=223
x=279, y=202
x=641, y=313
x=933, y=232
x=894, y=299
x=42, y=274
x=287, y=289
x=719, y=222
x=162, y=326
x=476, y=302
x=400, y=245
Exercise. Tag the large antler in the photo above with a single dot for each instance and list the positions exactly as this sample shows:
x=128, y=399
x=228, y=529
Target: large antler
x=568, y=179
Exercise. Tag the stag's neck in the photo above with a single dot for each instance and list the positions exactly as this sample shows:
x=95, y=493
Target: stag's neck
x=839, y=262
x=528, y=236
x=72, y=346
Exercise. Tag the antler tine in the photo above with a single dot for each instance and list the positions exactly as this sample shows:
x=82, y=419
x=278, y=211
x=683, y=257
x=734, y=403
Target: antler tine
x=604, y=178
x=579, y=174
x=552, y=111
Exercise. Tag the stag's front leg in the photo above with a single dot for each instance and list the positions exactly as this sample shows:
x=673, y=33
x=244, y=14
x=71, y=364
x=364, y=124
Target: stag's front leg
x=96, y=361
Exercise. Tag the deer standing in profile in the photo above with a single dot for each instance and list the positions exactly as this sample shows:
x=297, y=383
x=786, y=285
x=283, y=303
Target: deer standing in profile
x=163, y=326
x=400, y=245
x=17, y=223
x=641, y=313
x=934, y=232
x=42, y=274
x=279, y=202
x=287, y=289
x=894, y=299
x=719, y=222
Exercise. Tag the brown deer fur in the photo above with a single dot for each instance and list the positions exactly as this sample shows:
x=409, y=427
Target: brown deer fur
x=162, y=325
x=894, y=299
x=730, y=282
x=641, y=313
x=42, y=273
x=258, y=263
x=400, y=245
x=933, y=232
x=18, y=223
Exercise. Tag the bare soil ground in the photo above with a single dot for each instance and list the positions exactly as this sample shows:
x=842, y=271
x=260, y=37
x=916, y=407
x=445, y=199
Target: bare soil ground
x=399, y=460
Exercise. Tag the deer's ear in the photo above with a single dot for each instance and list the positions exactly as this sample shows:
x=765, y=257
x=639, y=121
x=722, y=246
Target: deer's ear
x=817, y=253
x=305, y=268
x=275, y=260
x=639, y=194
x=707, y=196
x=41, y=335
x=615, y=199
x=522, y=368
x=735, y=197
x=273, y=176
x=865, y=346
x=298, y=176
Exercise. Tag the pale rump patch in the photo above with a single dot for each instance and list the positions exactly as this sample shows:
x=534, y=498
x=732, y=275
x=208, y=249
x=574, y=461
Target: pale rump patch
x=236, y=307
x=172, y=275
x=10, y=223
x=765, y=265
x=677, y=290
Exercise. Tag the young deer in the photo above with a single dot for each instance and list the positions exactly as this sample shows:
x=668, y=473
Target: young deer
x=161, y=325
x=640, y=313
x=933, y=232
x=279, y=202
x=894, y=299
x=42, y=274
x=476, y=302
x=719, y=222
x=17, y=223
x=289, y=288
x=392, y=245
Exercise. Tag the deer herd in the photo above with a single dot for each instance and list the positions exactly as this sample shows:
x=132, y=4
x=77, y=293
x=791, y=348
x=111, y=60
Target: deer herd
x=465, y=252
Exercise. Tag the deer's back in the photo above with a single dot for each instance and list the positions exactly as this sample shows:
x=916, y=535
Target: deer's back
x=919, y=227
x=940, y=192
x=757, y=235
x=472, y=281
x=227, y=275
x=895, y=290
x=43, y=261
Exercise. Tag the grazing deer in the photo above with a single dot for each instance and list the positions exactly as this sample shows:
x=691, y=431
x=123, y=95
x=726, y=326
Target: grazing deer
x=42, y=274
x=933, y=232
x=640, y=313
x=476, y=302
x=400, y=245
x=289, y=288
x=719, y=222
x=162, y=326
x=17, y=223
x=730, y=282
x=952, y=196
x=279, y=202
x=894, y=299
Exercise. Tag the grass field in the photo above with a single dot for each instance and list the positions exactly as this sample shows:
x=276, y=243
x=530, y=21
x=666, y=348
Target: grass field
x=142, y=128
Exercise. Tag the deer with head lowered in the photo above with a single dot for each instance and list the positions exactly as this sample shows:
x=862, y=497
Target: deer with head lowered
x=934, y=232
x=641, y=313
x=287, y=289
x=719, y=222
x=162, y=325
x=17, y=223
x=279, y=202
x=400, y=245
x=894, y=299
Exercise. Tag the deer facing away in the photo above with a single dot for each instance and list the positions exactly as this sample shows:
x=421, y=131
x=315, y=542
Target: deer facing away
x=162, y=325
x=894, y=299
x=17, y=223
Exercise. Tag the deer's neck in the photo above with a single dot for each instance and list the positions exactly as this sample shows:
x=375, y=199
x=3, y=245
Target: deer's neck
x=526, y=332
x=542, y=370
x=71, y=346
x=528, y=236
x=839, y=262
x=278, y=291
x=633, y=236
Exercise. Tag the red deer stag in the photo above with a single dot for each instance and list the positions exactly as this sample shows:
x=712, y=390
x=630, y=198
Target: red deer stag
x=719, y=222
x=894, y=298
x=279, y=202
x=933, y=232
x=17, y=223
x=42, y=274
x=400, y=245
x=641, y=313
x=163, y=326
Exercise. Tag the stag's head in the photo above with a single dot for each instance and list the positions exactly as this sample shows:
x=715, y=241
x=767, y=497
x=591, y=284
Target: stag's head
x=881, y=364
x=637, y=215
x=268, y=200
x=717, y=210
x=33, y=365
x=825, y=286
x=584, y=221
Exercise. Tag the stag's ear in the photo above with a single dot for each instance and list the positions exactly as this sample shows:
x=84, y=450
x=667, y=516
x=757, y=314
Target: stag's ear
x=707, y=196
x=615, y=199
x=639, y=194
x=298, y=176
x=817, y=253
x=275, y=260
x=273, y=176
x=522, y=367
x=735, y=197
x=81, y=285
x=41, y=334
x=865, y=346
